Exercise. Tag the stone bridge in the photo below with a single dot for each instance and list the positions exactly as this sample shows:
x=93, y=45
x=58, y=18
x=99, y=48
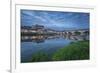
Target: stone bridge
x=77, y=32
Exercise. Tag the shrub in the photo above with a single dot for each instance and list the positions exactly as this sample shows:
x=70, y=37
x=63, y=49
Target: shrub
x=77, y=33
x=40, y=56
x=75, y=51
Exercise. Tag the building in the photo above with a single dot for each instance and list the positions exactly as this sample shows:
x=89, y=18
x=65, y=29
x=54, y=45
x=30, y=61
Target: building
x=32, y=29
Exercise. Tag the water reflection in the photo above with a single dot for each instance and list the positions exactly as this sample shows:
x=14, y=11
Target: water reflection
x=42, y=38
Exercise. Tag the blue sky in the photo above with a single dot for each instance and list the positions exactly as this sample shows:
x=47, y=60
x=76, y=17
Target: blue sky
x=57, y=20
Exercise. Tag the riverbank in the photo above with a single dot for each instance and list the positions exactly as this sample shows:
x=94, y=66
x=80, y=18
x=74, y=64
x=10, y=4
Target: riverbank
x=74, y=51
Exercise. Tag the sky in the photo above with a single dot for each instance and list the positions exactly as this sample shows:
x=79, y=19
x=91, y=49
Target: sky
x=55, y=19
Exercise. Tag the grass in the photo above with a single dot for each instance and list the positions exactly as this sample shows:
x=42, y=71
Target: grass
x=75, y=51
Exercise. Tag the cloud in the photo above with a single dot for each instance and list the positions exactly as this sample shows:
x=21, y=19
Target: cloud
x=27, y=12
x=55, y=19
x=40, y=18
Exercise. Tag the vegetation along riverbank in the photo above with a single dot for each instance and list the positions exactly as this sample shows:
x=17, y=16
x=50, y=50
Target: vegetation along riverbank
x=74, y=51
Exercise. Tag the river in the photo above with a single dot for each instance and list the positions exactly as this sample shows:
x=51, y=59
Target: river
x=31, y=45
